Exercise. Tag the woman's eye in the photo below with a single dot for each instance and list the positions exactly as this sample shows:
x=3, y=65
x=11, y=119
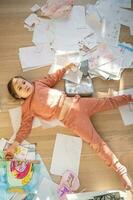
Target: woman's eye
x=23, y=82
x=20, y=88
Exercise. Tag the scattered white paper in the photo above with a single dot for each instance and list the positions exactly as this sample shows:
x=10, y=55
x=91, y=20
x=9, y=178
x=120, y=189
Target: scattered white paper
x=90, y=42
x=112, y=33
x=42, y=33
x=35, y=56
x=35, y=8
x=127, y=110
x=32, y=19
x=47, y=190
x=94, y=20
x=30, y=28
x=126, y=17
x=124, y=3
x=73, y=29
x=66, y=154
x=127, y=56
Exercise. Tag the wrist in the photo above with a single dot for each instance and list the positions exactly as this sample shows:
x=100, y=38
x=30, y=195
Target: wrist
x=15, y=144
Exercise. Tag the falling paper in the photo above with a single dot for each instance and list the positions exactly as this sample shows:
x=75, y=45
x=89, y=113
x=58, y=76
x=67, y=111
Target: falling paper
x=66, y=154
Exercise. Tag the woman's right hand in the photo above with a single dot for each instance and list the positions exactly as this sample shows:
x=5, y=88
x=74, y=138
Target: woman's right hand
x=9, y=154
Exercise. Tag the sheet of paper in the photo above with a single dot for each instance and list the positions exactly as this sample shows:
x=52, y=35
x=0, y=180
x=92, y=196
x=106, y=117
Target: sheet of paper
x=73, y=29
x=35, y=56
x=112, y=33
x=127, y=110
x=32, y=19
x=76, y=19
x=111, y=20
x=124, y=3
x=35, y=8
x=66, y=154
x=21, y=153
x=15, y=116
x=72, y=35
x=31, y=153
x=127, y=55
x=47, y=190
x=42, y=32
x=126, y=17
x=100, y=56
x=131, y=30
x=3, y=143
x=93, y=19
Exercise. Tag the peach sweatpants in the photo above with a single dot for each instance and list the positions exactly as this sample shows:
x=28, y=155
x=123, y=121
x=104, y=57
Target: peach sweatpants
x=78, y=120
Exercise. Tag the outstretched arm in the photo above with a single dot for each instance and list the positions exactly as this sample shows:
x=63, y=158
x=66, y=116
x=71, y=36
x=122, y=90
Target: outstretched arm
x=22, y=133
x=52, y=79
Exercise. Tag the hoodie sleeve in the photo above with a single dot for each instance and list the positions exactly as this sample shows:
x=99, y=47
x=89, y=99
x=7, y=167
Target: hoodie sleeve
x=26, y=124
x=52, y=79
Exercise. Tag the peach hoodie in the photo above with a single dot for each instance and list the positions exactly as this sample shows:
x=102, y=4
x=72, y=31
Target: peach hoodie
x=44, y=102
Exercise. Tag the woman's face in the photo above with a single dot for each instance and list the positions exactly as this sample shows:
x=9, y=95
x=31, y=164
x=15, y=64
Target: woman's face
x=22, y=87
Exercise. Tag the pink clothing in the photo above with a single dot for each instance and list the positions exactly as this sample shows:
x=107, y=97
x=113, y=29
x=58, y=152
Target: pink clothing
x=44, y=102
x=48, y=103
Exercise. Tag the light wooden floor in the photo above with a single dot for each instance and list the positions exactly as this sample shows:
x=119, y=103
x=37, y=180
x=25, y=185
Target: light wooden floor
x=93, y=174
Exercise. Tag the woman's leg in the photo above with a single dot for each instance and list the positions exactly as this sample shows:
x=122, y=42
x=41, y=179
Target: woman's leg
x=82, y=126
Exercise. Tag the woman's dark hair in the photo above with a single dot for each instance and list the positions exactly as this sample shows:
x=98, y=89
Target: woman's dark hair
x=11, y=88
